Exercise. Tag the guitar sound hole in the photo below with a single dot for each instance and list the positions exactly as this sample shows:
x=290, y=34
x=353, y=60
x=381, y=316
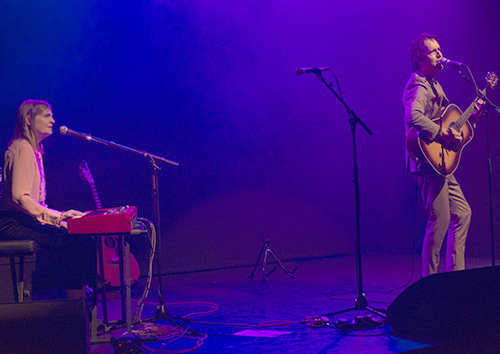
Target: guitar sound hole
x=110, y=242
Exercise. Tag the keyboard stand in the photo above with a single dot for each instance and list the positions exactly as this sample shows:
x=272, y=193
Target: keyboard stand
x=125, y=286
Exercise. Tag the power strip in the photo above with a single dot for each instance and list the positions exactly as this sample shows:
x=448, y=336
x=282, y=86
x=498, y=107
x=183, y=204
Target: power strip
x=317, y=321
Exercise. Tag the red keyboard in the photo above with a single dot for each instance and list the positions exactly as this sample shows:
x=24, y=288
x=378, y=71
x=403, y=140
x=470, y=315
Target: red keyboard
x=104, y=221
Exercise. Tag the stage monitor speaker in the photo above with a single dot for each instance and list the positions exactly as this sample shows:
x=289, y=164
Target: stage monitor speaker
x=44, y=327
x=449, y=305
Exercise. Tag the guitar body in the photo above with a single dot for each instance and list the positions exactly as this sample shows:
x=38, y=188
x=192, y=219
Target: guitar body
x=441, y=159
x=111, y=265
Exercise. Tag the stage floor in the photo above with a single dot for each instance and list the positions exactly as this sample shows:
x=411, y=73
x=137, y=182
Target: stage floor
x=253, y=316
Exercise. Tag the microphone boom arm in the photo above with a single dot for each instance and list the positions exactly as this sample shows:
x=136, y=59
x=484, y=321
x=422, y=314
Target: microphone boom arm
x=112, y=144
x=353, y=116
x=126, y=148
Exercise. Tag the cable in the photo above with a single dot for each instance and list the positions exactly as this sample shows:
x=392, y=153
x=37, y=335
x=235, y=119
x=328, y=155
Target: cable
x=332, y=297
x=337, y=81
x=264, y=324
x=413, y=247
x=152, y=241
x=480, y=93
x=214, y=306
x=170, y=334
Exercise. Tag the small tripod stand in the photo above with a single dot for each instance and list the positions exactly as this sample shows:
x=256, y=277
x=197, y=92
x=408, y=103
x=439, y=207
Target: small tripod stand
x=266, y=250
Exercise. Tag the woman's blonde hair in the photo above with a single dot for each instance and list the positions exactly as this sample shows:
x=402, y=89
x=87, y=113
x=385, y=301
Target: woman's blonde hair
x=22, y=130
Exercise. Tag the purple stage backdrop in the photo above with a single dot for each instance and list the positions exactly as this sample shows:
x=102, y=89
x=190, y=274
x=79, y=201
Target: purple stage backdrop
x=263, y=153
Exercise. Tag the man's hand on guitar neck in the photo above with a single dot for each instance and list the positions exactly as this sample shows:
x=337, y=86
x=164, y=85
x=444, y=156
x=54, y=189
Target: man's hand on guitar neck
x=480, y=105
x=450, y=139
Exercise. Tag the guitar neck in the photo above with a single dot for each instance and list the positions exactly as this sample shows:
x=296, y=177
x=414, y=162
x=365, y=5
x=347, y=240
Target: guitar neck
x=466, y=115
x=468, y=112
x=97, y=200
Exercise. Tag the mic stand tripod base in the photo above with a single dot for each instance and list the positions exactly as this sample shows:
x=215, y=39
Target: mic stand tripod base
x=265, y=250
x=161, y=313
x=361, y=304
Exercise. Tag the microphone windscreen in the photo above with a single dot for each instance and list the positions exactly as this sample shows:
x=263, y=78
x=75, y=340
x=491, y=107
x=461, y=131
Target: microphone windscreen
x=63, y=130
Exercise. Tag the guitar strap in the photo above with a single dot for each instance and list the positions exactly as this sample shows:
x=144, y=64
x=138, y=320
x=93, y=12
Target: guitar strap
x=433, y=87
x=443, y=101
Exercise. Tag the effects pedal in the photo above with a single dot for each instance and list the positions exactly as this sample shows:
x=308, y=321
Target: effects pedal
x=317, y=321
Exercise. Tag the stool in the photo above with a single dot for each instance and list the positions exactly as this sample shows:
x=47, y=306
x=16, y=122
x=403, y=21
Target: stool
x=13, y=249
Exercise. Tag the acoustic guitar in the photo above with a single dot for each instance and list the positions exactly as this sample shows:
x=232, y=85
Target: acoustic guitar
x=109, y=243
x=441, y=158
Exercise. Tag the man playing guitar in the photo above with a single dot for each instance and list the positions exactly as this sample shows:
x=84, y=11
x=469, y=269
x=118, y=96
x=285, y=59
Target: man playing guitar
x=424, y=101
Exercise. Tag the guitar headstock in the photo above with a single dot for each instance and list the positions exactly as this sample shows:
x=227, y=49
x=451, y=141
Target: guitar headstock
x=85, y=172
x=492, y=79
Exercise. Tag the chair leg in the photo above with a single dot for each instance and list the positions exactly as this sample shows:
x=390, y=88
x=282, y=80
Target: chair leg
x=20, y=282
x=14, y=278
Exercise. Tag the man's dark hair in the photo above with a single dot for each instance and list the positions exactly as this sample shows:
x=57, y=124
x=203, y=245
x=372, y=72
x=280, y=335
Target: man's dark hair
x=417, y=49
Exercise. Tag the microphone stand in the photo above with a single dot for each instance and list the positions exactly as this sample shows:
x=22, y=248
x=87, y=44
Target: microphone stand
x=161, y=312
x=482, y=94
x=490, y=104
x=360, y=303
x=490, y=185
x=490, y=171
x=490, y=176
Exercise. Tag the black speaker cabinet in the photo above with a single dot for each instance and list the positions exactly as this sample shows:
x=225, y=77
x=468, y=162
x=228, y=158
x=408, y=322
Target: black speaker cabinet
x=44, y=327
x=452, y=305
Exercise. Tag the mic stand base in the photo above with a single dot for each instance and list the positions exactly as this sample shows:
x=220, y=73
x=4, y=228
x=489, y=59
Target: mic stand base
x=360, y=305
x=160, y=316
x=161, y=313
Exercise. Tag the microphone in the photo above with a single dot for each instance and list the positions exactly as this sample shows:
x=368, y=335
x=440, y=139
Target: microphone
x=450, y=62
x=64, y=130
x=317, y=71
